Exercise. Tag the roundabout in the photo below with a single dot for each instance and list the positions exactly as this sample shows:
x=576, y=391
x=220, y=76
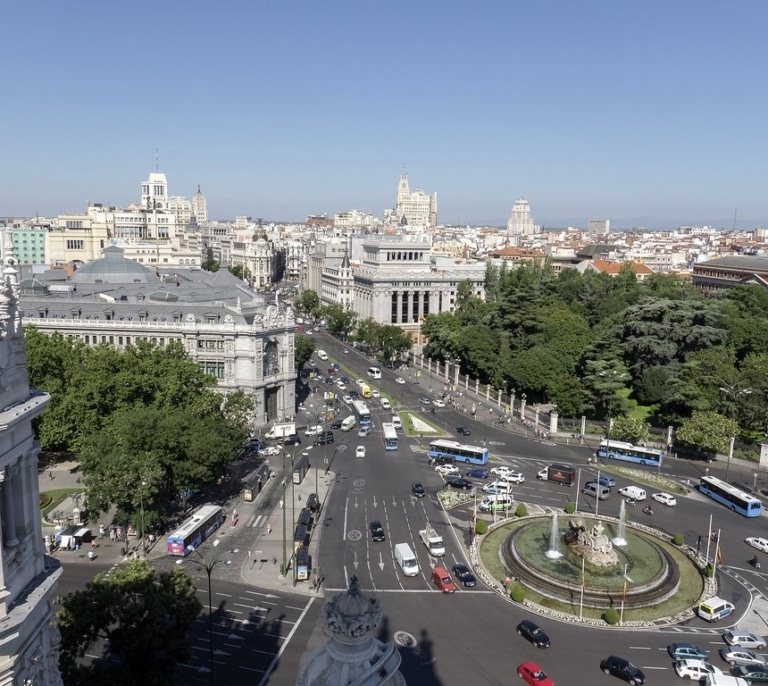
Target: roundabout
x=580, y=566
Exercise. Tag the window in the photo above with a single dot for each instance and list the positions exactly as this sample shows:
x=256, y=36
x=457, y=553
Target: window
x=75, y=245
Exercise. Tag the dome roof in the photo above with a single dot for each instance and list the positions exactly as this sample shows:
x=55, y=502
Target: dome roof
x=114, y=268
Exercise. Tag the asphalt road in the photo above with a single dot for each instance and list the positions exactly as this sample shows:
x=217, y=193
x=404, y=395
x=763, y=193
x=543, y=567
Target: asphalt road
x=468, y=637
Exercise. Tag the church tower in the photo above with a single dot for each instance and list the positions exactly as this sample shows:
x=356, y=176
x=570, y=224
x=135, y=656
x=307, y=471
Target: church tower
x=29, y=644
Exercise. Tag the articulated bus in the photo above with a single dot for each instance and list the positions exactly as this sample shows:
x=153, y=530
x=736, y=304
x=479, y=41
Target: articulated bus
x=390, y=436
x=731, y=496
x=619, y=450
x=195, y=530
x=470, y=454
x=362, y=412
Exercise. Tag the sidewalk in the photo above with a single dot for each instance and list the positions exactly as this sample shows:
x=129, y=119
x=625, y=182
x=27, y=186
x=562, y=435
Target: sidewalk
x=258, y=534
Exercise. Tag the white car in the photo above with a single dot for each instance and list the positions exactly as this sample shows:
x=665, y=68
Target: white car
x=386, y=404
x=347, y=399
x=345, y=351
x=341, y=386
x=695, y=670
x=512, y=477
x=438, y=403
x=399, y=379
x=760, y=543
x=314, y=430
x=360, y=383
x=446, y=469
x=375, y=393
x=360, y=451
x=270, y=450
x=502, y=471
x=665, y=499
x=744, y=639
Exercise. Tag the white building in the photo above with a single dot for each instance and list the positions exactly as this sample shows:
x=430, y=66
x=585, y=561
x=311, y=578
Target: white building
x=29, y=643
x=199, y=208
x=416, y=209
x=232, y=333
x=520, y=222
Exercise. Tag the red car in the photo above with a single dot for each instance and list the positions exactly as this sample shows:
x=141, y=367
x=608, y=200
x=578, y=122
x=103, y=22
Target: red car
x=533, y=674
x=443, y=580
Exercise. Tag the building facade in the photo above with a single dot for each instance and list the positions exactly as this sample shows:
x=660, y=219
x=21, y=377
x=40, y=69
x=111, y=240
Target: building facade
x=232, y=333
x=724, y=273
x=415, y=209
x=521, y=222
x=29, y=643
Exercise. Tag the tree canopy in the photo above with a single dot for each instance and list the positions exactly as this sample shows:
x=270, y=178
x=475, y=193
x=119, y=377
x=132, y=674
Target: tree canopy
x=140, y=618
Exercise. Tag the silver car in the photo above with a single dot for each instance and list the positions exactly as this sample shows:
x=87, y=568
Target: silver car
x=736, y=655
x=743, y=639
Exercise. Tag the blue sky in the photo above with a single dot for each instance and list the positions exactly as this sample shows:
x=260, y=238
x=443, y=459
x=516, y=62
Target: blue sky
x=647, y=113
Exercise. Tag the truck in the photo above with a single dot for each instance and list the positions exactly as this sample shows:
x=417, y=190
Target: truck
x=433, y=541
x=281, y=430
x=724, y=680
x=559, y=473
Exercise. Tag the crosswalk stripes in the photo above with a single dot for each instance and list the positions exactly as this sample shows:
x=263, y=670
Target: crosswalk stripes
x=259, y=521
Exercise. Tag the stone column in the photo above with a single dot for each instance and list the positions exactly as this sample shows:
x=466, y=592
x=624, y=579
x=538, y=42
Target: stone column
x=9, y=513
x=553, y=422
x=498, y=400
x=522, y=406
x=536, y=419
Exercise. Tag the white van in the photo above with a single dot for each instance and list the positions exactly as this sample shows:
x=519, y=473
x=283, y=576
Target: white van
x=632, y=492
x=322, y=355
x=596, y=490
x=407, y=560
x=714, y=609
x=349, y=423
x=498, y=486
x=496, y=502
x=396, y=422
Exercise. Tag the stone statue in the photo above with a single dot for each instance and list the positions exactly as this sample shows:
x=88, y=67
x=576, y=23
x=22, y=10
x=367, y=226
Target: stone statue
x=593, y=545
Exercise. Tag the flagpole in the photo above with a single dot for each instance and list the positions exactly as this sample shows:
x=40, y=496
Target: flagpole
x=716, y=555
x=709, y=538
x=623, y=597
x=581, y=602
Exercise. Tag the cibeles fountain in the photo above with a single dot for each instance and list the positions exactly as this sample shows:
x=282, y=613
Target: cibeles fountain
x=581, y=566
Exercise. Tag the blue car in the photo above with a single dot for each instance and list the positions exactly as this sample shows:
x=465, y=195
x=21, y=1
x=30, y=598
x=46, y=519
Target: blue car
x=477, y=473
x=607, y=481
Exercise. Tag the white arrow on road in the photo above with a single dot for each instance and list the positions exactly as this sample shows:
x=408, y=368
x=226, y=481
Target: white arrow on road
x=356, y=505
x=375, y=504
x=355, y=562
x=394, y=502
x=381, y=562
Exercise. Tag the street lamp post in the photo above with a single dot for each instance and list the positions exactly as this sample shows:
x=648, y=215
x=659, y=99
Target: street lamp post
x=141, y=501
x=209, y=566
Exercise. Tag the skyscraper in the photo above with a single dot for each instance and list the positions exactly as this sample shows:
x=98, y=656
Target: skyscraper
x=520, y=222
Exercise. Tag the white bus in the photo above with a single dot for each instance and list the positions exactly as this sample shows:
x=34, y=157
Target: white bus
x=390, y=436
x=362, y=411
x=374, y=372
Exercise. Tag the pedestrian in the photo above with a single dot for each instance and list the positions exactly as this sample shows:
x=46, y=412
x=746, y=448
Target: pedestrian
x=93, y=544
x=50, y=475
x=102, y=531
x=112, y=534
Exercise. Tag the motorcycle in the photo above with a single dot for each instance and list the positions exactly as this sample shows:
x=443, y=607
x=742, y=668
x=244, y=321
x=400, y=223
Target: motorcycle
x=630, y=502
x=755, y=562
x=648, y=510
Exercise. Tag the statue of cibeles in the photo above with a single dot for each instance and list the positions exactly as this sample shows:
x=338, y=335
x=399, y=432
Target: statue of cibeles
x=593, y=545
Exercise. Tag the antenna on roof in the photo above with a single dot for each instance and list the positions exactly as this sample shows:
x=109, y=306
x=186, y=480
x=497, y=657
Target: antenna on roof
x=734, y=218
x=157, y=160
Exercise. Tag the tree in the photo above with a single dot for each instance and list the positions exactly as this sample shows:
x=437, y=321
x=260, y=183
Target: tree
x=241, y=271
x=211, y=265
x=239, y=408
x=308, y=301
x=339, y=320
x=140, y=618
x=708, y=430
x=169, y=450
x=626, y=428
x=303, y=347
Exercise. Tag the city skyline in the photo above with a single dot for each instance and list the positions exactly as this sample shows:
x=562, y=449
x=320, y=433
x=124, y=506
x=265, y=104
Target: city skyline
x=647, y=115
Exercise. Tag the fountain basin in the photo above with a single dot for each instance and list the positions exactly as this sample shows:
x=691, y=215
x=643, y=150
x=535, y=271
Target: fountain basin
x=652, y=574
